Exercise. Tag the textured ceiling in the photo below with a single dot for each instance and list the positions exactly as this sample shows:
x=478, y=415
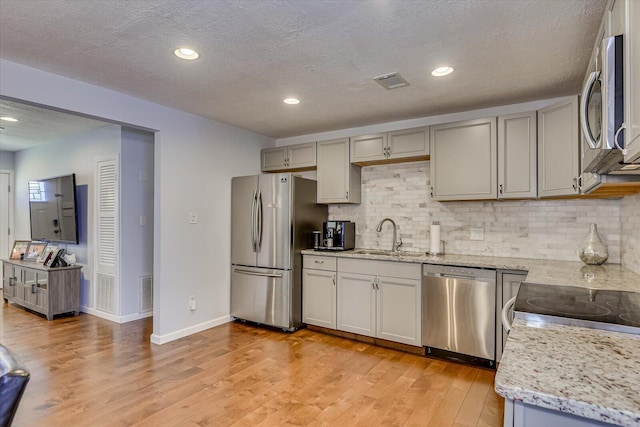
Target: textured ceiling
x=255, y=53
x=37, y=126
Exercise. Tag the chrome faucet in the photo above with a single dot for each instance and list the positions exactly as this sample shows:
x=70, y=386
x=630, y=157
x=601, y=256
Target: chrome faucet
x=396, y=243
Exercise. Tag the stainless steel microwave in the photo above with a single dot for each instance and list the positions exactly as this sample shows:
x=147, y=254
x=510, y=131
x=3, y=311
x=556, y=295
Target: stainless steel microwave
x=602, y=111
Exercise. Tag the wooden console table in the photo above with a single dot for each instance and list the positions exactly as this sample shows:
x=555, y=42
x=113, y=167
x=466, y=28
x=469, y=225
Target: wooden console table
x=45, y=290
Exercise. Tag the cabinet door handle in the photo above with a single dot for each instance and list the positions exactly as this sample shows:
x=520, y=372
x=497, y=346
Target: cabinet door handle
x=432, y=191
x=319, y=262
x=333, y=278
x=33, y=288
x=346, y=195
x=500, y=188
x=575, y=183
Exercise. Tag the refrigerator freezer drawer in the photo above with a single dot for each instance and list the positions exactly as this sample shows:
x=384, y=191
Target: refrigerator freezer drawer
x=262, y=295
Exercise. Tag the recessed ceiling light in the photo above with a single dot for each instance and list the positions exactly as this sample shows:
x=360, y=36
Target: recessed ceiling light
x=291, y=101
x=186, y=53
x=442, y=71
x=8, y=119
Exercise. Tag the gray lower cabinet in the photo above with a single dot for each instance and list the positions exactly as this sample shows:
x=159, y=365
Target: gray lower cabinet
x=508, y=285
x=519, y=414
x=558, y=149
x=463, y=160
x=338, y=180
x=380, y=299
x=48, y=291
x=319, y=291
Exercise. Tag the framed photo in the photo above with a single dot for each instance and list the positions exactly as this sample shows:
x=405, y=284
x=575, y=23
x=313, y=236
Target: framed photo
x=34, y=251
x=56, y=259
x=48, y=250
x=19, y=249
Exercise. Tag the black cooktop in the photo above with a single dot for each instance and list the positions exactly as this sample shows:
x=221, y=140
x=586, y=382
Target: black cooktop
x=602, y=309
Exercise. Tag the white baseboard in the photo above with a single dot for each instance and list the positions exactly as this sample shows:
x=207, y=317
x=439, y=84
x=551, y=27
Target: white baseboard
x=163, y=339
x=115, y=318
x=135, y=316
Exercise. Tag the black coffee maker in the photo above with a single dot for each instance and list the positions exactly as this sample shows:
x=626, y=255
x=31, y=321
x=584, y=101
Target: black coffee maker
x=338, y=235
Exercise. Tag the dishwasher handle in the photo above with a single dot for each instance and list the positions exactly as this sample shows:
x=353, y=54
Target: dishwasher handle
x=458, y=276
x=507, y=312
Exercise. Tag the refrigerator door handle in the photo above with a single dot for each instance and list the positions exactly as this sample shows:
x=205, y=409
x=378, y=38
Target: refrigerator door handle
x=255, y=273
x=253, y=221
x=259, y=236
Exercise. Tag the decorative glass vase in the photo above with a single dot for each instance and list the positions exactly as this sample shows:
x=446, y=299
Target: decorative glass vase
x=593, y=251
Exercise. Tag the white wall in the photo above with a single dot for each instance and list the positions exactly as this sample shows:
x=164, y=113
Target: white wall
x=136, y=201
x=194, y=160
x=6, y=160
x=74, y=155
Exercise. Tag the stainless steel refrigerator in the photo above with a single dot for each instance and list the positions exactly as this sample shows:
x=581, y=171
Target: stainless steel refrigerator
x=272, y=220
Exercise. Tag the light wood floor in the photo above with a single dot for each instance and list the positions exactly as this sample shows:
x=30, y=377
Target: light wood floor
x=87, y=371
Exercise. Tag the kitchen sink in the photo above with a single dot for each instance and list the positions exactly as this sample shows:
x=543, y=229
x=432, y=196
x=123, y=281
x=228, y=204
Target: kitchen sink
x=387, y=253
x=372, y=252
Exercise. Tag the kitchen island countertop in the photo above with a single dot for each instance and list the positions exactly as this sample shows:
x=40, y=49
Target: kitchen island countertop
x=590, y=373
x=585, y=372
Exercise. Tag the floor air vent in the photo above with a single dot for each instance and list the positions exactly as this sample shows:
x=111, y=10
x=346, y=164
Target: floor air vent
x=146, y=294
x=105, y=293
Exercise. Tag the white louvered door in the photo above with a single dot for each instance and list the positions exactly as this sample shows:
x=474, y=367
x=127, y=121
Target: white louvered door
x=106, y=281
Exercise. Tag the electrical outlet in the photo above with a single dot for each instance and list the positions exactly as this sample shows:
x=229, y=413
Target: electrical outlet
x=476, y=233
x=193, y=218
x=192, y=303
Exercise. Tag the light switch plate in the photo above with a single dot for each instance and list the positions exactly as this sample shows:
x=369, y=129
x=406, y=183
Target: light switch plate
x=476, y=233
x=193, y=218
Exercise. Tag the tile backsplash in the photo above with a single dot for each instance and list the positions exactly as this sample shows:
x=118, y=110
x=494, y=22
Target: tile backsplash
x=552, y=229
x=630, y=225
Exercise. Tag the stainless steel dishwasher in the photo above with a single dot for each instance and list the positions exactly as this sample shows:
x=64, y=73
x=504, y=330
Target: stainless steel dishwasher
x=459, y=313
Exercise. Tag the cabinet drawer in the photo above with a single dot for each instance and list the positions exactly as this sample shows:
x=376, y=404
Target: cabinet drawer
x=405, y=270
x=317, y=262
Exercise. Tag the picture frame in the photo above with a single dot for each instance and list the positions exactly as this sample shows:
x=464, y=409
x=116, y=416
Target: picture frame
x=19, y=249
x=34, y=251
x=56, y=259
x=49, y=249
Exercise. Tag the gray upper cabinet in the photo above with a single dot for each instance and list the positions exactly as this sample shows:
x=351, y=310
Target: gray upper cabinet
x=627, y=13
x=369, y=149
x=463, y=160
x=338, y=179
x=289, y=158
x=558, y=162
x=517, y=155
x=397, y=146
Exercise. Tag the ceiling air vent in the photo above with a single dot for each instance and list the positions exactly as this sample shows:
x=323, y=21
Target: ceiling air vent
x=391, y=81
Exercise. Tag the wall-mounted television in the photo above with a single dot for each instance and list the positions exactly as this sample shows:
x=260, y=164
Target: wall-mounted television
x=53, y=209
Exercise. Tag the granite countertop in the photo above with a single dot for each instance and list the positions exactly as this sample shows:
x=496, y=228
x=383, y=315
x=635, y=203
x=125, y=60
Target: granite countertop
x=542, y=271
x=586, y=372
